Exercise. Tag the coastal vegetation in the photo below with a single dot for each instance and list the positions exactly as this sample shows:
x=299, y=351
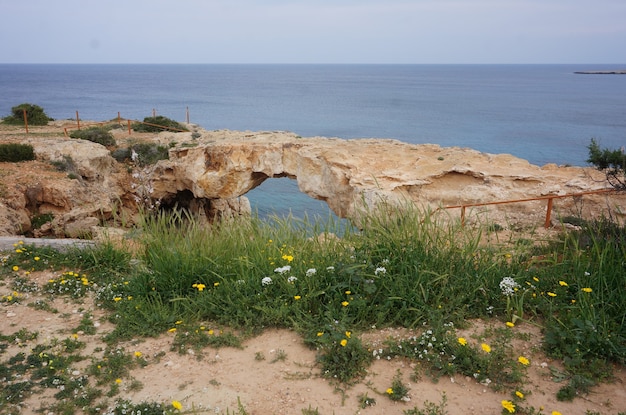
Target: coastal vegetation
x=157, y=124
x=217, y=286
x=35, y=115
x=14, y=152
x=100, y=135
x=611, y=161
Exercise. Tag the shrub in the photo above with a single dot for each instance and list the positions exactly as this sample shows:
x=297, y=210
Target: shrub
x=13, y=152
x=34, y=113
x=149, y=153
x=611, y=162
x=159, y=123
x=98, y=135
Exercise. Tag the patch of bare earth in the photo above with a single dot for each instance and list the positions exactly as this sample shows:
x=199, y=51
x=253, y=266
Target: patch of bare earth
x=217, y=380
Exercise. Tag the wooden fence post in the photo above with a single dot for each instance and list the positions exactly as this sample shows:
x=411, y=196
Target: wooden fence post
x=548, y=213
x=187, y=114
x=77, y=120
x=25, y=121
x=128, y=127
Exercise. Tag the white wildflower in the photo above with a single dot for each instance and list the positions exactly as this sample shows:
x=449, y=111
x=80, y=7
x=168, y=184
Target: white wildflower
x=266, y=281
x=292, y=279
x=508, y=286
x=310, y=272
x=380, y=270
x=283, y=270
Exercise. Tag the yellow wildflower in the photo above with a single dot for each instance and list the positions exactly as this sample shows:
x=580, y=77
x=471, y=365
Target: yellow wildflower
x=177, y=405
x=118, y=381
x=296, y=297
x=586, y=290
x=36, y=258
x=116, y=299
x=343, y=342
x=462, y=341
x=16, y=268
x=486, y=348
x=320, y=333
x=345, y=303
x=348, y=292
x=510, y=324
x=348, y=334
x=172, y=330
x=523, y=360
x=389, y=391
x=562, y=283
x=509, y=406
x=138, y=354
x=519, y=394
x=551, y=294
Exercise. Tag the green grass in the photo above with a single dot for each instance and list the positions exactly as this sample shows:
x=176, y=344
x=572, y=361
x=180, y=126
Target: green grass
x=215, y=285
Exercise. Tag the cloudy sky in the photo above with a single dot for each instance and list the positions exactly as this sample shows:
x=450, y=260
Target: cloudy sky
x=313, y=31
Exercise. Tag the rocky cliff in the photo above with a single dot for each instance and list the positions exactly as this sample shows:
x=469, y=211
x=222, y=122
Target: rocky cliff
x=209, y=172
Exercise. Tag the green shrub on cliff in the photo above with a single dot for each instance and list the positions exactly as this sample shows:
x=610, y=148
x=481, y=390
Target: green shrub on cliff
x=13, y=152
x=98, y=135
x=158, y=124
x=611, y=162
x=35, y=115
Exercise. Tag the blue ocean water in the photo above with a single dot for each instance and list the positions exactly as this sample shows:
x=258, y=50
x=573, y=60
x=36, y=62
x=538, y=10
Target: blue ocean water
x=543, y=113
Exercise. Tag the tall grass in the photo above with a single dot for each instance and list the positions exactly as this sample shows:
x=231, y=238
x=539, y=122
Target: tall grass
x=402, y=267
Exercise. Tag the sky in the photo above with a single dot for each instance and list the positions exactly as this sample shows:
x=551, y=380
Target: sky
x=313, y=31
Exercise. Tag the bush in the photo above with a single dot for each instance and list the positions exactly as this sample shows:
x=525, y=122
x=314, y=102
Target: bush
x=159, y=122
x=34, y=113
x=611, y=162
x=98, y=135
x=16, y=152
x=149, y=153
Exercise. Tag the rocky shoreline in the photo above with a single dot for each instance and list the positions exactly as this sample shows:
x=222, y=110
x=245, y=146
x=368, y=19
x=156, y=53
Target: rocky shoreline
x=209, y=173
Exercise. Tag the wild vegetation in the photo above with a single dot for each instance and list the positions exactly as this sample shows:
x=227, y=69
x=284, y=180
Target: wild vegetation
x=404, y=268
x=35, y=115
x=611, y=161
x=14, y=152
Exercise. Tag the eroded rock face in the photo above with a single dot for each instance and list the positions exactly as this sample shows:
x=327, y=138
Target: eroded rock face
x=210, y=174
x=351, y=175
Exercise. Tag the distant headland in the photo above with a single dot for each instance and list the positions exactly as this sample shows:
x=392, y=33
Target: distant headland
x=618, y=72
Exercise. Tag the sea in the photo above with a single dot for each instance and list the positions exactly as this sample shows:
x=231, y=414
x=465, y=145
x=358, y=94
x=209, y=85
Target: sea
x=541, y=113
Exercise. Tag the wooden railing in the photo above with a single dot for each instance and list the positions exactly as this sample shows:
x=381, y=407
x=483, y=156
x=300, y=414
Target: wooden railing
x=548, y=198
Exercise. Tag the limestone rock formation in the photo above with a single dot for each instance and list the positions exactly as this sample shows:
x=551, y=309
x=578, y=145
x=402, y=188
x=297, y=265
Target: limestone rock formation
x=209, y=172
x=350, y=175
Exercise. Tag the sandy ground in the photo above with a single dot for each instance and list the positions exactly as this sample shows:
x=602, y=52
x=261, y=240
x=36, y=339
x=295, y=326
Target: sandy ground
x=218, y=379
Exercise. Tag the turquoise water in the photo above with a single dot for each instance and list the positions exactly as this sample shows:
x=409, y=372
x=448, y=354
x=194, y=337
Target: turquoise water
x=543, y=113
